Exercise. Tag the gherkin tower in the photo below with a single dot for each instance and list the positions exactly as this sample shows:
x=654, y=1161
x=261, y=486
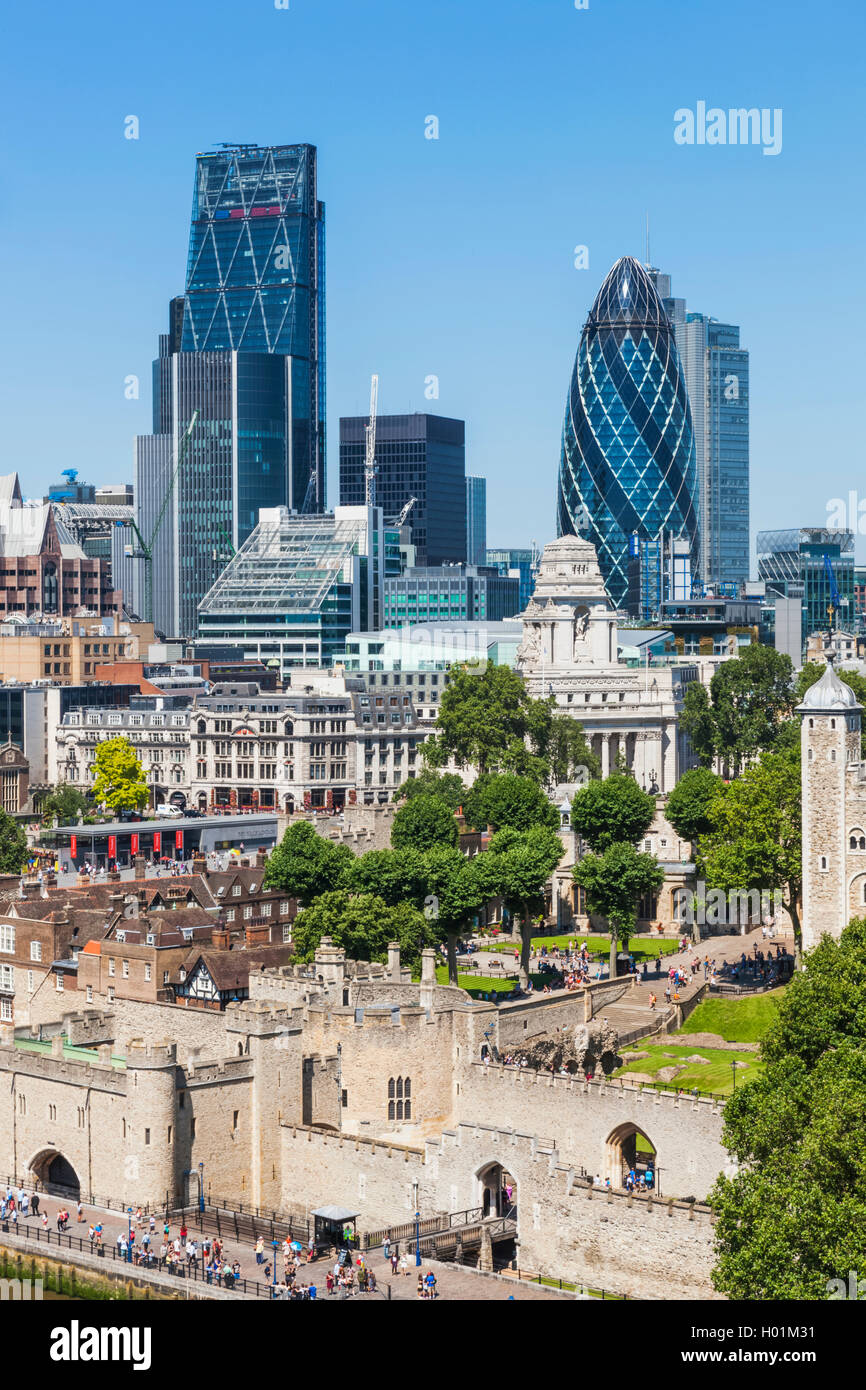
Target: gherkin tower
x=627, y=474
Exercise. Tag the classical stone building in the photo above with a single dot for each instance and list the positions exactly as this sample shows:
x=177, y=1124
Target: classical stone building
x=345, y=1083
x=569, y=650
x=834, y=809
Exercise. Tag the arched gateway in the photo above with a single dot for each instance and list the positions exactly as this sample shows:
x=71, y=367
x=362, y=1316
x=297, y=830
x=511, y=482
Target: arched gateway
x=55, y=1173
x=628, y=1148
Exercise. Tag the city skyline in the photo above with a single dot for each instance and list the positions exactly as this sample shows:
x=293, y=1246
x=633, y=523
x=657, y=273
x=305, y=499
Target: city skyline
x=413, y=291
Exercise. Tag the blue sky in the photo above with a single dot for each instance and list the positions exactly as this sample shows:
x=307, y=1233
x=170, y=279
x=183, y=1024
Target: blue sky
x=451, y=257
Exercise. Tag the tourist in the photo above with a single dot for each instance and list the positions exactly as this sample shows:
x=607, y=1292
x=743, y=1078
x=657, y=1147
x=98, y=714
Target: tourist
x=79, y=1209
x=652, y=1003
x=260, y=1251
x=34, y=1204
x=386, y=1248
x=430, y=1281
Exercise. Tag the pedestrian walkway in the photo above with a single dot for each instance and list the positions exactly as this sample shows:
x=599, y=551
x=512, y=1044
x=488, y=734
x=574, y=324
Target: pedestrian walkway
x=452, y=1282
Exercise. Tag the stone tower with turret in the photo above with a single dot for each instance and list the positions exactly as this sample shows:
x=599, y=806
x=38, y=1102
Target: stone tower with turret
x=834, y=809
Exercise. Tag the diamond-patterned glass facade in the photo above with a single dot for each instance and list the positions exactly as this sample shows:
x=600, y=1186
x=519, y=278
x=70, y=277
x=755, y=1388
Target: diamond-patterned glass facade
x=627, y=470
x=255, y=277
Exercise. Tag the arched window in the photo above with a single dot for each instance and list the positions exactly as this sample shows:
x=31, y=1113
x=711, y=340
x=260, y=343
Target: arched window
x=391, y=1089
x=288, y=728
x=399, y=1109
x=407, y=1088
x=202, y=726
x=400, y=1087
x=391, y=1111
x=407, y=1110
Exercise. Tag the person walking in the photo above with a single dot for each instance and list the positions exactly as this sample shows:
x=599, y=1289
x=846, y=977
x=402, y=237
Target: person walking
x=79, y=1211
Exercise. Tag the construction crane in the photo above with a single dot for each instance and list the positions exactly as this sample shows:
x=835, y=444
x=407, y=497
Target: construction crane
x=145, y=548
x=309, y=495
x=406, y=510
x=370, y=457
x=836, y=601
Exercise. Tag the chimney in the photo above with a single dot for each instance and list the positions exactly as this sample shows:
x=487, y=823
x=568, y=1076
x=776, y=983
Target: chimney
x=394, y=962
x=245, y=863
x=220, y=937
x=140, y=869
x=261, y=858
x=428, y=979
x=116, y=901
x=30, y=887
x=199, y=863
x=57, y=1043
x=257, y=935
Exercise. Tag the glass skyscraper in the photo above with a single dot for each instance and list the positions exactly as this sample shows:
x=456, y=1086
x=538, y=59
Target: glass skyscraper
x=795, y=562
x=420, y=456
x=716, y=369
x=476, y=521
x=627, y=478
x=246, y=347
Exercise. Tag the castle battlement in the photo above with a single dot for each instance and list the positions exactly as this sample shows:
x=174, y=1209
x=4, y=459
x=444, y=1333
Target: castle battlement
x=227, y=1069
x=497, y=1074
x=329, y=1139
x=144, y=1055
x=96, y=1075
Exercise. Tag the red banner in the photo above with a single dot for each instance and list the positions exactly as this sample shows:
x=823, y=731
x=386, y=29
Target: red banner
x=73, y=846
x=133, y=843
x=112, y=846
x=157, y=841
x=178, y=839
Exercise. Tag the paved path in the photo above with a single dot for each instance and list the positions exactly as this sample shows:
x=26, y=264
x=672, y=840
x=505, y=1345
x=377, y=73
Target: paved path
x=453, y=1282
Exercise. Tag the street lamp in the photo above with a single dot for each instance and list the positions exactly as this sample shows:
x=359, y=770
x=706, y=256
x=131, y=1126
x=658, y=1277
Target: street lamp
x=417, y=1226
x=734, y=1074
x=275, y=1245
x=201, y=1187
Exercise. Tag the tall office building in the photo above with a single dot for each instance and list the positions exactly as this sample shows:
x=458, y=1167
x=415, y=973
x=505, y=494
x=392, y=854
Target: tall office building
x=716, y=370
x=246, y=348
x=797, y=563
x=420, y=456
x=476, y=521
x=627, y=478
x=522, y=565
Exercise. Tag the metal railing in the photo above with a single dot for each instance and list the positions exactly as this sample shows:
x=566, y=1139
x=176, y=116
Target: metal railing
x=184, y=1270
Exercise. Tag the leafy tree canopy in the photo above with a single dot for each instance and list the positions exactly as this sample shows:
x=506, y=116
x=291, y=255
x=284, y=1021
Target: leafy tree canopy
x=119, y=782
x=362, y=925
x=750, y=697
x=65, y=803
x=486, y=719
x=305, y=865
x=687, y=807
x=13, y=845
x=448, y=786
x=424, y=823
x=502, y=799
x=755, y=840
x=794, y=1216
x=612, y=811
x=614, y=882
x=395, y=875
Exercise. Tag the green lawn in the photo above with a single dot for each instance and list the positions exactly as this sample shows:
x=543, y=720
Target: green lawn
x=735, y=1020
x=485, y=984
x=640, y=946
x=716, y=1078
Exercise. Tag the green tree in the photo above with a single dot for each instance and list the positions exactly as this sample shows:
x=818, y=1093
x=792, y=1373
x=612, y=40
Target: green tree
x=687, y=807
x=614, y=881
x=447, y=786
x=65, y=803
x=396, y=875
x=502, y=799
x=519, y=863
x=119, y=782
x=13, y=845
x=696, y=720
x=750, y=698
x=793, y=1217
x=423, y=823
x=457, y=889
x=563, y=745
x=363, y=925
x=485, y=721
x=755, y=844
x=306, y=865
x=615, y=810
